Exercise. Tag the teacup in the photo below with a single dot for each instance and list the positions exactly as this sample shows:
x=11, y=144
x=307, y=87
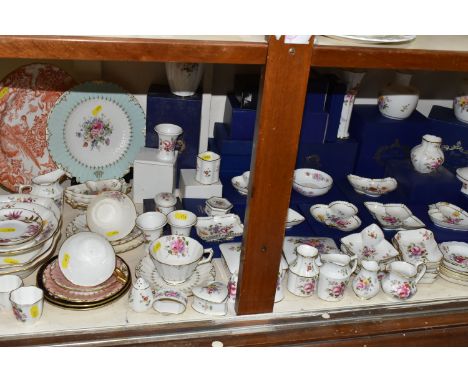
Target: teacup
x=152, y=224
x=8, y=283
x=27, y=304
x=181, y=222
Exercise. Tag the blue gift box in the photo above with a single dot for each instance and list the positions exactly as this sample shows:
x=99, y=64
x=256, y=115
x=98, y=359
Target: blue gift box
x=240, y=121
x=382, y=139
x=165, y=107
x=227, y=146
x=454, y=136
x=437, y=186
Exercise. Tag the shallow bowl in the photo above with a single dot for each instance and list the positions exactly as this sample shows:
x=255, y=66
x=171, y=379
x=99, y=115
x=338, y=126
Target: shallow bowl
x=310, y=182
x=372, y=187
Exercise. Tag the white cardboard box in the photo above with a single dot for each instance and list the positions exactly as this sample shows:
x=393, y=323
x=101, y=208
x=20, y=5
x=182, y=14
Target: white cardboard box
x=190, y=188
x=150, y=176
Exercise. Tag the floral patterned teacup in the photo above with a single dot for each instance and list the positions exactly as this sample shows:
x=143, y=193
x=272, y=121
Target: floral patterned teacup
x=27, y=304
x=402, y=278
x=208, y=164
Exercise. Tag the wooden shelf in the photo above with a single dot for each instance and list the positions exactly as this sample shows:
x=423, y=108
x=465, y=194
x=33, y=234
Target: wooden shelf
x=436, y=53
x=213, y=49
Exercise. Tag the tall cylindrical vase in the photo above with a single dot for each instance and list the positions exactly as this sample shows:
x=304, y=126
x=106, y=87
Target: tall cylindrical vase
x=184, y=78
x=168, y=134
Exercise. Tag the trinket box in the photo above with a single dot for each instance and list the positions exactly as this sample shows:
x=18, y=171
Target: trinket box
x=211, y=299
x=216, y=206
x=151, y=176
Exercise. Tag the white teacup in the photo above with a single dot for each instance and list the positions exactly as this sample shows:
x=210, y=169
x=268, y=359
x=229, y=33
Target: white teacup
x=27, y=304
x=181, y=222
x=8, y=283
x=152, y=224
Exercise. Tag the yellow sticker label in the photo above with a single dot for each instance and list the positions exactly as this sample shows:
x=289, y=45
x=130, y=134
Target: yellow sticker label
x=156, y=247
x=97, y=110
x=206, y=157
x=9, y=260
x=7, y=229
x=180, y=216
x=34, y=311
x=65, y=260
x=112, y=233
x=3, y=92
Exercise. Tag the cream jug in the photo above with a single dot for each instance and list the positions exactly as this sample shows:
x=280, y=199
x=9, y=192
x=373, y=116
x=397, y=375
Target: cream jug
x=402, y=278
x=335, y=271
x=303, y=273
x=47, y=185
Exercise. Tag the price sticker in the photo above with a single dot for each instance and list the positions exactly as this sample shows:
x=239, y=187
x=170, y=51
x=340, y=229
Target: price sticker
x=9, y=260
x=112, y=233
x=34, y=311
x=206, y=157
x=180, y=216
x=156, y=247
x=7, y=229
x=65, y=260
x=3, y=92
x=96, y=110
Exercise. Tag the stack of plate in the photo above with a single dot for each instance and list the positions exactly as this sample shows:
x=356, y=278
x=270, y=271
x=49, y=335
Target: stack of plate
x=454, y=267
x=129, y=242
x=29, y=232
x=81, y=195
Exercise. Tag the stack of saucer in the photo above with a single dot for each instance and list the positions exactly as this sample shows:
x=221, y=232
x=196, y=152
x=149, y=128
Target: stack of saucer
x=454, y=267
x=81, y=195
x=29, y=231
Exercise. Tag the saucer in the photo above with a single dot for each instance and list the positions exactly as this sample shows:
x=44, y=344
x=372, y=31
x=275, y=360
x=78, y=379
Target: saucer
x=203, y=274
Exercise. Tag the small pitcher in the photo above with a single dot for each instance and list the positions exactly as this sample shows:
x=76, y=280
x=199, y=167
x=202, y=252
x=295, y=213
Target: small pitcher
x=303, y=273
x=402, y=278
x=366, y=284
x=335, y=272
x=47, y=185
x=427, y=156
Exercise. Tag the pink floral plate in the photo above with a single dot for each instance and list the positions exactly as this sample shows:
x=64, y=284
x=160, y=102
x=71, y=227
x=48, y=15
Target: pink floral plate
x=18, y=225
x=27, y=95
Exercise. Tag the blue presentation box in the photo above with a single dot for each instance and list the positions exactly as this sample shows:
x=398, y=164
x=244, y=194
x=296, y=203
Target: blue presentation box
x=165, y=107
x=382, y=139
x=440, y=185
x=454, y=134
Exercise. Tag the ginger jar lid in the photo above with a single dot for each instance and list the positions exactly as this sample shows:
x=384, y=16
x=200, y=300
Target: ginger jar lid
x=215, y=292
x=165, y=199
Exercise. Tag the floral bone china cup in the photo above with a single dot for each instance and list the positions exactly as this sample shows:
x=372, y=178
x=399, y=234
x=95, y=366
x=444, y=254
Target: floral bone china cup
x=8, y=284
x=303, y=273
x=335, y=271
x=181, y=222
x=402, y=278
x=167, y=133
x=428, y=155
x=208, y=164
x=27, y=304
x=176, y=257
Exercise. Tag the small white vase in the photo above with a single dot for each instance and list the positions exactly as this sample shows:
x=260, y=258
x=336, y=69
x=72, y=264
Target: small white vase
x=398, y=99
x=208, y=164
x=168, y=134
x=184, y=78
x=428, y=155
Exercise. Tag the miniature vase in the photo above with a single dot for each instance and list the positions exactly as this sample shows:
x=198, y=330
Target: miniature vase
x=334, y=275
x=428, y=155
x=303, y=273
x=208, y=164
x=184, y=78
x=402, y=278
x=141, y=297
x=47, y=185
x=167, y=133
x=353, y=80
x=366, y=283
x=398, y=99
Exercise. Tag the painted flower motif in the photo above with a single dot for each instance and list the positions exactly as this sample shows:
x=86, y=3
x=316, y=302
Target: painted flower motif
x=308, y=287
x=462, y=102
x=416, y=251
x=177, y=247
x=403, y=290
x=207, y=173
x=391, y=219
x=452, y=220
x=14, y=215
x=339, y=222
x=383, y=102
x=364, y=284
x=336, y=289
x=232, y=289
x=167, y=145
x=95, y=132
x=368, y=252
x=171, y=293
x=19, y=314
x=435, y=164
x=212, y=288
x=460, y=260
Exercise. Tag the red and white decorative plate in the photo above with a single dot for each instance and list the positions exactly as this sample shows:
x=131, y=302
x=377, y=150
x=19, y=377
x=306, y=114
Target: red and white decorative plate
x=27, y=95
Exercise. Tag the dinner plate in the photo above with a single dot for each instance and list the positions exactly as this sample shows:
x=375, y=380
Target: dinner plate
x=27, y=96
x=48, y=203
x=376, y=39
x=95, y=131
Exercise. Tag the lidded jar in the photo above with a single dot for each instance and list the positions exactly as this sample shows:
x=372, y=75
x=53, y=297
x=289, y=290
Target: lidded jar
x=165, y=202
x=428, y=155
x=398, y=99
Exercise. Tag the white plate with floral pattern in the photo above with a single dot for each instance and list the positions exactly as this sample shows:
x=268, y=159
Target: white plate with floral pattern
x=204, y=274
x=95, y=131
x=323, y=245
x=18, y=225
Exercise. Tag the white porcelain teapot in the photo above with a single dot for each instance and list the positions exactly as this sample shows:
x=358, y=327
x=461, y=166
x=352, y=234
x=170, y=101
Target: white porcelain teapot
x=46, y=185
x=335, y=271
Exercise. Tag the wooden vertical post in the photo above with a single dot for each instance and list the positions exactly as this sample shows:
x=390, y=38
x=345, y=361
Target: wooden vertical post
x=279, y=119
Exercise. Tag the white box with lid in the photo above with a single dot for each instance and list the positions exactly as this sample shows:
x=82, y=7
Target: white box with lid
x=151, y=176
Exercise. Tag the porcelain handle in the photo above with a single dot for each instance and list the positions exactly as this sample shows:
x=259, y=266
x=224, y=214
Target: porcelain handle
x=420, y=272
x=207, y=259
x=353, y=268
x=24, y=187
